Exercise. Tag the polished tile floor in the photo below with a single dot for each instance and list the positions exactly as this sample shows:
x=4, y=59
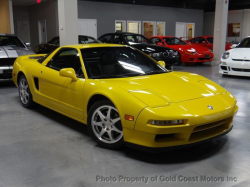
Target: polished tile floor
x=41, y=148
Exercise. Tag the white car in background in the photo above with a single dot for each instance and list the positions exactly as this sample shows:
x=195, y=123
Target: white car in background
x=236, y=61
x=11, y=47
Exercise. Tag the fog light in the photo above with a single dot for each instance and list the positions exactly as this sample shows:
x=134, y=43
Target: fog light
x=167, y=122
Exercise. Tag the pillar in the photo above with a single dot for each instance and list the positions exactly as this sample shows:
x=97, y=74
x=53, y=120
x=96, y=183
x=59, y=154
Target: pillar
x=220, y=28
x=68, y=22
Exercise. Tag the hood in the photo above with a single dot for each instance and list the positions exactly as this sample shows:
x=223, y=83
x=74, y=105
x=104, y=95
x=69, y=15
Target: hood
x=240, y=53
x=168, y=87
x=150, y=48
x=14, y=52
x=198, y=49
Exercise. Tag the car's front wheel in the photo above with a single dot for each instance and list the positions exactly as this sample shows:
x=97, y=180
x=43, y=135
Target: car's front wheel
x=24, y=92
x=104, y=125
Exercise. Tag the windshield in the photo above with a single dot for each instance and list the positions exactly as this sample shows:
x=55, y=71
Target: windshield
x=210, y=40
x=54, y=41
x=11, y=41
x=137, y=39
x=42, y=58
x=245, y=43
x=116, y=62
x=174, y=41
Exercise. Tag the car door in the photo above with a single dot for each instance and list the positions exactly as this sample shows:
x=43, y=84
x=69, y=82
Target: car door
x=62, y=93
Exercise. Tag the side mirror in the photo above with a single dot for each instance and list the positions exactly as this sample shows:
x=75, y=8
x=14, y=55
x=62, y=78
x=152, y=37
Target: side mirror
x=161, y=63
x=159, y=43
x=234, y=45
x=27, y=44
x=68, y=72
x=203, y=42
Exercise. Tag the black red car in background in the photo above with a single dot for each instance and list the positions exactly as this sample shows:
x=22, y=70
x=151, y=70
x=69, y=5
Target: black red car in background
x=159, y=53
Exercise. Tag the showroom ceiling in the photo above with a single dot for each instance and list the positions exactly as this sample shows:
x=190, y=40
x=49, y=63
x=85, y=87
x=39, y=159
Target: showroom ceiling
x=206, y=5
x=24, y=2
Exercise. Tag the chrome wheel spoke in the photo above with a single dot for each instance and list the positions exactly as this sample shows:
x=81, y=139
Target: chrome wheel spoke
x=103, y=125
x=110, y=136
x=102, y=132
x=101, y=115
x=97, y=123
x=23, y=88
x=109, y=113
x=115, y=120
x=116, y=130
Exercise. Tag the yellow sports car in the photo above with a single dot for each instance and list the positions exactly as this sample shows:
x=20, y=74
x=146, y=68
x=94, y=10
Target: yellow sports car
x=124, y=96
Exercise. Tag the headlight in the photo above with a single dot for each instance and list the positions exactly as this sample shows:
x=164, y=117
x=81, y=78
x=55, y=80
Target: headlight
x=155, y=55
x=192, y=50
x=225, y=55
x=175, y=53
x=167, y=122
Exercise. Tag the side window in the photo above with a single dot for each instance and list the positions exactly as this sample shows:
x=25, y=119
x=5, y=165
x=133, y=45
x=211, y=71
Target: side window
x=155, y=40
x=85, y=40
x=118, y=39
x=106, y=39
x=67, y=58
x=200, y=40
x=193, y=40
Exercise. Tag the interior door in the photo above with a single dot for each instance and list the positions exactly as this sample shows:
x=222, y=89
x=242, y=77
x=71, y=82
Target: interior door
x=62, y=93
x=42, y=31
x=180, y=30
x=87, y=27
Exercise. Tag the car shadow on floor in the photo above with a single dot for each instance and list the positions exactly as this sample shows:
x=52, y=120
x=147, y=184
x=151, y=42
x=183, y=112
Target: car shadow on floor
x=180, y=155
x=61, y=119
x=189, y=154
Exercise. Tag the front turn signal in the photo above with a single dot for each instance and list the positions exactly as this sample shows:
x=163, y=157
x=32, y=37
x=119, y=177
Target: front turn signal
x=129, y=117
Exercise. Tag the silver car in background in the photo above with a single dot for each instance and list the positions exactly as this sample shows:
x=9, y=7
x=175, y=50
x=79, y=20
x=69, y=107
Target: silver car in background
x=10, y=48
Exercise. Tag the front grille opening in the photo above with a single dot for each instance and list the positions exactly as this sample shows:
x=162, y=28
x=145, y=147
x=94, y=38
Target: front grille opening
x=210, y=130
x=241, y=70
x=7, y=61
x=166, y=137
x=224, y=68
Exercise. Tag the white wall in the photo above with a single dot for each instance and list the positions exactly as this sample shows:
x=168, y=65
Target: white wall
x=234, y=16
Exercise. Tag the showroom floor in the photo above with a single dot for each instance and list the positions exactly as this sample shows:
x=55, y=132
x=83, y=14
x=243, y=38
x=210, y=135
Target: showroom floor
x=41, y=148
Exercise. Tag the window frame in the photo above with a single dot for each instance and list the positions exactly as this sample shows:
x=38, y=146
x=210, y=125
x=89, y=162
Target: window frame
x=48, y=65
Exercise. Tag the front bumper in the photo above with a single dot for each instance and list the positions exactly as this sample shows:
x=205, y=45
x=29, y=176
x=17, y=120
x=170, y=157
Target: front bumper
x=6, y=72
x=197, y=58
x=238, y=68
x=202, y=124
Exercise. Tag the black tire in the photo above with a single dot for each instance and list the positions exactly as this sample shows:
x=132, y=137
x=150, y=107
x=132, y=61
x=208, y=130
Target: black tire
x=105, y=127
x=25, y=95
x=178, y=63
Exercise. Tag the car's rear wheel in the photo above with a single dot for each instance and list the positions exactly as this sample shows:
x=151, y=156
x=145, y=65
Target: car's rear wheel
x=24, y=92
x=104, y=125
